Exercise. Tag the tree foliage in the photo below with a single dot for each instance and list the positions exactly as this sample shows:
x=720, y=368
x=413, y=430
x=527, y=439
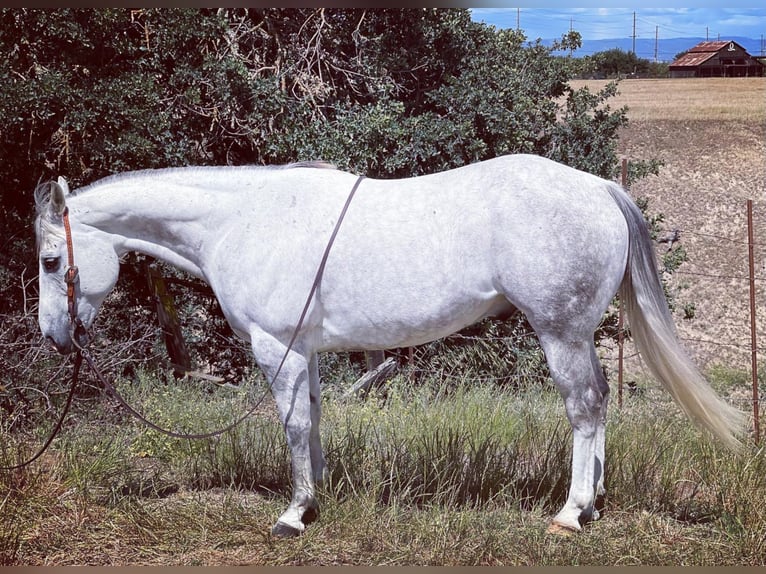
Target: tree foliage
x=384, y=92
x=617, y=63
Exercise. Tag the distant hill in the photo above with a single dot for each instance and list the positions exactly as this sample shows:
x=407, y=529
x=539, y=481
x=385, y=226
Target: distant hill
x=667, y=48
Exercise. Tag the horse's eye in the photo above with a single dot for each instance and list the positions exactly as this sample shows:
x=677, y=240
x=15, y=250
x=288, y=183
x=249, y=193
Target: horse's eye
x=50, y=264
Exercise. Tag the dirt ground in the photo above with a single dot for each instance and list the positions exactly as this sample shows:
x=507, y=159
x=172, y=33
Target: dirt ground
x=712, y=167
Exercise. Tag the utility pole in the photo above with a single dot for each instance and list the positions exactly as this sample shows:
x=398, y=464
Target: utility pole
x=571, y=24
x=518, y=19
x=656, y=41
x=634, y=33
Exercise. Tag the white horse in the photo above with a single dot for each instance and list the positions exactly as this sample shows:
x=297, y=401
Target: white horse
x=415, y=260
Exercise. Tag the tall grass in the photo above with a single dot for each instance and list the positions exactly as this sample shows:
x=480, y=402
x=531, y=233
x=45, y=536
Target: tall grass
x=427, y=474
x=409, y=449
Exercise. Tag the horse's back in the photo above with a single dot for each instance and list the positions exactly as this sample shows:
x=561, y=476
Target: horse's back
x=418, y=258
x=438, y=252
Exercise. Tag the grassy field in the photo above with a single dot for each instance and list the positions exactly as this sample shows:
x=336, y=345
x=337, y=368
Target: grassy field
x=711, y=135
x=437, y=475
x=426, y=476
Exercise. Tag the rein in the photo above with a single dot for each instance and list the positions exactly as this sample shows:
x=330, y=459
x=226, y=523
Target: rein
x=70, y=278
x=57, y=428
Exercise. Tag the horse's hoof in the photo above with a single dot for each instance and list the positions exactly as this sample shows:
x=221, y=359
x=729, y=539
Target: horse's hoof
x=282, y=530
x=561, y=529
x=311, y=514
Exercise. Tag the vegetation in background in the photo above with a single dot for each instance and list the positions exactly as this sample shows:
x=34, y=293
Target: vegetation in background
x=617, y=63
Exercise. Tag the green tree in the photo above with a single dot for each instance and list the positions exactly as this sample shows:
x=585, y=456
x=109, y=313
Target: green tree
x=616, y=62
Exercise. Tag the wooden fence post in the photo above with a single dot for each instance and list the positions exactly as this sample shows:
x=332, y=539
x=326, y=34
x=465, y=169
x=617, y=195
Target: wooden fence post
x=168, y=319
x=374, y=359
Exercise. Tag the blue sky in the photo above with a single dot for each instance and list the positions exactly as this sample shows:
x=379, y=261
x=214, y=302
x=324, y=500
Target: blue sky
x=601, y=23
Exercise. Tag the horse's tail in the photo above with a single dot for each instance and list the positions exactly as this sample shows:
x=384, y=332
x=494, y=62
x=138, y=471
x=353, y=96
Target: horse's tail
x=653, y=331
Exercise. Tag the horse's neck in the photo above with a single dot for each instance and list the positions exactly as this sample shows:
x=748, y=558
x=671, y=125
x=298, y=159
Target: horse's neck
x=167, y=222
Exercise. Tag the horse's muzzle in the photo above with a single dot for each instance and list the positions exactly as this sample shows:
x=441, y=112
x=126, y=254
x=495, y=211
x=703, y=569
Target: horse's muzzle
x=63, y=347
x=78, y=338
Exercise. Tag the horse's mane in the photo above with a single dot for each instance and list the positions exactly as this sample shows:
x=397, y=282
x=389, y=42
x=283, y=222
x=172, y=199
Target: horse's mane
x=43, y=223
x=316, y=164
x=319, y=164
x=42, y=193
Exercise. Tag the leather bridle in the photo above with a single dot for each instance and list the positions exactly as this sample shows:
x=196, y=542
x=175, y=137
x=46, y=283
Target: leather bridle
x=72, y=272
x=71, y=277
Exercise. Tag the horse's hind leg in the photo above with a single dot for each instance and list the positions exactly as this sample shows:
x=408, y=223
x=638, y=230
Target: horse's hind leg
x=576, y=372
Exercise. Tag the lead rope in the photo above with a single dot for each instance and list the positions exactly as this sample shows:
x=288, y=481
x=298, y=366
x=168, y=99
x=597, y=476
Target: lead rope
x=75, y=375
x=71, y=277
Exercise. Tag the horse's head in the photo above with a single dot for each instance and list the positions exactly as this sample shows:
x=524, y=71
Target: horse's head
x=66, y=314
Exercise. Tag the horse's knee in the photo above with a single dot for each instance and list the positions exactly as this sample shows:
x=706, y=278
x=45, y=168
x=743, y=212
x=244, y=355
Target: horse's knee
x=297, y=427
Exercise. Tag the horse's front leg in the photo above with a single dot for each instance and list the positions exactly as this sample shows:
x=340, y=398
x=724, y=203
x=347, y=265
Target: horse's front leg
x=292, y=395
x=318, y=463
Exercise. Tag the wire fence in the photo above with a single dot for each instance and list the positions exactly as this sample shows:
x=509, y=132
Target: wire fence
x=728, y=316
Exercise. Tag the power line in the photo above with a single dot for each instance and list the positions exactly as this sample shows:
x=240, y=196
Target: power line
x=646, y=33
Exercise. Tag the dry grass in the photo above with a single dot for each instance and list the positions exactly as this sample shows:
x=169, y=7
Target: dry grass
x=680, y=99
x=711, y=135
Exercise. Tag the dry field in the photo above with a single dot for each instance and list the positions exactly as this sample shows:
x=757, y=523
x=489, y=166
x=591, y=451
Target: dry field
x=711, y=134
x=733, y=99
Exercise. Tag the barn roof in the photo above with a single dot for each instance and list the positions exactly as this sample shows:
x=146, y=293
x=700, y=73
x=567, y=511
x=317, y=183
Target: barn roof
x=702, y=52
x=693, y=58
x=712, y=46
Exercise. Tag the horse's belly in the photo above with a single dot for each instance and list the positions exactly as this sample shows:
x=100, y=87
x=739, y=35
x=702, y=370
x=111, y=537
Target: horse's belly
x=406, y=321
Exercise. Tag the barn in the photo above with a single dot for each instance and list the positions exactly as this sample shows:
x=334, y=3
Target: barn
x=716, y=59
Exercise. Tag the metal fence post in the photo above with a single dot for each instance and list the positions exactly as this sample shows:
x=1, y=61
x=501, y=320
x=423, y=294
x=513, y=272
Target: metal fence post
x=753, y=346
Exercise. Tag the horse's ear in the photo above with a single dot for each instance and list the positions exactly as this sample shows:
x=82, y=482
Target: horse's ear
x=58, y=196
